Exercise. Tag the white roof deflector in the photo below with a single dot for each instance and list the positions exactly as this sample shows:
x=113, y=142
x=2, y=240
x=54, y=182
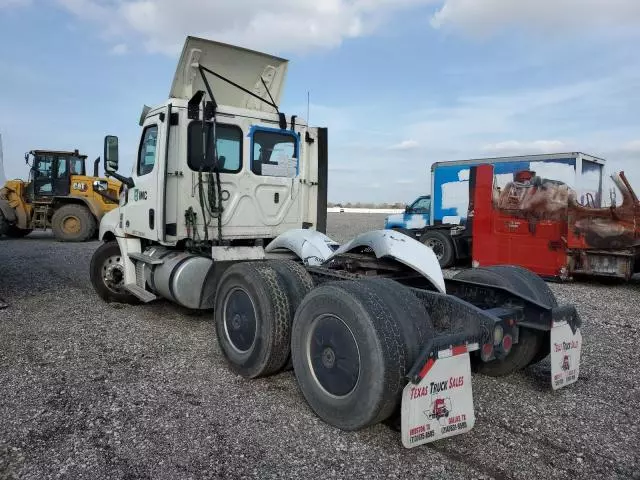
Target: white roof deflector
x=239, y=65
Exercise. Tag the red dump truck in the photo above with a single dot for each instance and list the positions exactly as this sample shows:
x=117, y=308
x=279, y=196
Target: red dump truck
x=538, y=224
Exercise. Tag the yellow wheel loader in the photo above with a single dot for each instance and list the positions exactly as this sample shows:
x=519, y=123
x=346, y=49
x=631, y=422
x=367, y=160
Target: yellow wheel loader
x=59, y=195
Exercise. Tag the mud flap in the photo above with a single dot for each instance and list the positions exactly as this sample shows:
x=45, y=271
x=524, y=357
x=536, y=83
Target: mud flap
x=441, y=405
x=566, y=347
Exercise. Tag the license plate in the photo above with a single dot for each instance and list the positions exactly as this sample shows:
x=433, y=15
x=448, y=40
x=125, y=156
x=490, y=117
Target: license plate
x=565, y=355
x=441, y=405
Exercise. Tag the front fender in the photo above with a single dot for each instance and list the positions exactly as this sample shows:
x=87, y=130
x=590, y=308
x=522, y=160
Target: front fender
x=311, y=246
x=396, y=220
x=401, y=248
x=110, y=223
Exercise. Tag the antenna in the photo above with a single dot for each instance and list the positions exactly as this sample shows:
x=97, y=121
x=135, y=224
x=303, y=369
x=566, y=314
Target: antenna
x=308, y=122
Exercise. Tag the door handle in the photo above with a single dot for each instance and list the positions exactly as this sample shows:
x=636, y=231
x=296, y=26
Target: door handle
x=152, y=218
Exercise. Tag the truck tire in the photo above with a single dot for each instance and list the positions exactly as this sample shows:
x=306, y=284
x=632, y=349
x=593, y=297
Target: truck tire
x=542, y=293
x=530, y=341
x=409, y=311
x=73, y=223
x=416, y=322
x=441, y=245
x=349, y=354
x=297, y=283
x=252, y=318
x=106, y=271
x=14, y=232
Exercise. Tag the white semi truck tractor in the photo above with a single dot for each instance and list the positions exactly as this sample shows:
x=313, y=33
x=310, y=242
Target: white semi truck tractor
x=225, y=210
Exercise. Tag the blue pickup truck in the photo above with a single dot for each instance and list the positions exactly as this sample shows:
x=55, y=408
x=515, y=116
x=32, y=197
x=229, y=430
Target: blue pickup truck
x=415, y=216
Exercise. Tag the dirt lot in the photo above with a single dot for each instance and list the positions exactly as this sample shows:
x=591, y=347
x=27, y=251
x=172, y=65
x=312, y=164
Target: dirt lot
x=90, y=390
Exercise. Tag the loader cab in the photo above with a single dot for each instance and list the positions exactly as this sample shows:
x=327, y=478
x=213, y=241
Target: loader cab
x=51, y=172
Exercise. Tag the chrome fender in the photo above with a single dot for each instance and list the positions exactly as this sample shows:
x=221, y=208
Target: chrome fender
x=401, y=248
x=311, y=246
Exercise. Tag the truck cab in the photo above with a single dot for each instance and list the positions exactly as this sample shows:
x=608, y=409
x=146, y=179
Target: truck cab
x=219, y=167
x=256, y=180
x=416, y=216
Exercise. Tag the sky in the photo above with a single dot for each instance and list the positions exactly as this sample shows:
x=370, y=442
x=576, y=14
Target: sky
x=400, y=84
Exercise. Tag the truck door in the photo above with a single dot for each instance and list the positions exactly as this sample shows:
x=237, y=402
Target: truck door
x=42, y=176
x=61, y=177
x=141, y=215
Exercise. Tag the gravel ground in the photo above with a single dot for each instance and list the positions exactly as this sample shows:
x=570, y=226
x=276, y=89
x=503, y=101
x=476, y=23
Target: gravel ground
x=91, y=390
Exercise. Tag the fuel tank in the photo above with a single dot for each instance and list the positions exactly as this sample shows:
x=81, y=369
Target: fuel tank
x=183, y=278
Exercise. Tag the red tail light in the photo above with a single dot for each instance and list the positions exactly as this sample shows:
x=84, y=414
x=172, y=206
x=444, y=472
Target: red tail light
x=507, y=343
x=486, y=352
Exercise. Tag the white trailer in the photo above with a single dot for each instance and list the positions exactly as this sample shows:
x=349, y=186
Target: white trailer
x=225, y=211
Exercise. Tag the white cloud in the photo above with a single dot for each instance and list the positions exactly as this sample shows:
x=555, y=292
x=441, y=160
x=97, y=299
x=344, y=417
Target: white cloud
x=543, y=114
x=266, y=25
x=299, y=25
x=632, y=147
x=119, y=49
x=487, y=16
x=515, y=147
x=405, y=145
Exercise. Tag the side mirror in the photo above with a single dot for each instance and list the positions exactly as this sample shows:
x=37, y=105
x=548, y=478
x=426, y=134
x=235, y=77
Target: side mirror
x=407, y=209
x=100, y=186
x=110, y=154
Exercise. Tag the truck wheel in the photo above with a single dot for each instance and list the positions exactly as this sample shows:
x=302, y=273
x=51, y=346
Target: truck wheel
x=441, y=245
x=416, y=322
x=15, y=232
x=349, y=354
x=530, y=342
x=541, y=292
x=107, y=274
x=297, y=283
x=253, y=319
x=73, y=223
x=409, y=311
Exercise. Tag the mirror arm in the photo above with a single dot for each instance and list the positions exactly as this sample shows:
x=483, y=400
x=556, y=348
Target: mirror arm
x=128, y=181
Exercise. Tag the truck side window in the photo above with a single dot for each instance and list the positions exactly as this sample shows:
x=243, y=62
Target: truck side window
x=421, y=205
x=228, y=146
x=77, y=166
x=147, y=154
x=274, y=154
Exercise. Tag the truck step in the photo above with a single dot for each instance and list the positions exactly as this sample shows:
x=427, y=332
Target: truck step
x=141, y=257
x=39, y=219
x=140, y=292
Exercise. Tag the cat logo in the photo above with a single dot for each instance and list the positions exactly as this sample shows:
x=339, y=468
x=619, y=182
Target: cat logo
x=80, y=186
